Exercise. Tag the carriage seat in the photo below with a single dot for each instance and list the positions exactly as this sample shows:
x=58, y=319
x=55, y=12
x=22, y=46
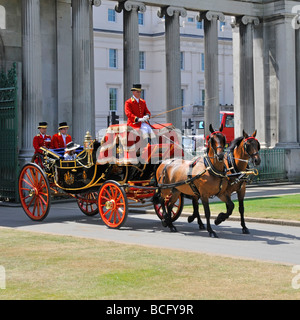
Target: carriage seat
x=61, y=151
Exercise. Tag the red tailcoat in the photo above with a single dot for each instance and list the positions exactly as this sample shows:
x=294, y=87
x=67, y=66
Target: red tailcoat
x=40, y=141
x=135, y=110
x=58, y=141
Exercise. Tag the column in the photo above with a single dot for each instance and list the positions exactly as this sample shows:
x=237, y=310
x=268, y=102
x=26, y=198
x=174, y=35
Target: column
x=286, y=75
x=64, y=63
x=83, y=113
x=244, y=105
x=32, y=75
x=173, y=71
x=131, y=73
x=211, y=73
x=297, y=31
x=260, y=101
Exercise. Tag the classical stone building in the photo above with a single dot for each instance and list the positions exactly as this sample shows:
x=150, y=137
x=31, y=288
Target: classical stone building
x=51, y=42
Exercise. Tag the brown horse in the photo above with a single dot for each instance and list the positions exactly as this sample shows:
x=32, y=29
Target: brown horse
x=241, y=150
x=200, y=179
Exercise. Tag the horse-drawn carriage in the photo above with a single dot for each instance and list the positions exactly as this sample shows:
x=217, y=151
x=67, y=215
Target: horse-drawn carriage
x=124, y=168
x=106, y=176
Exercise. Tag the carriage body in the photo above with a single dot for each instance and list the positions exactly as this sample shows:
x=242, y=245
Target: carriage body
x=105, y=177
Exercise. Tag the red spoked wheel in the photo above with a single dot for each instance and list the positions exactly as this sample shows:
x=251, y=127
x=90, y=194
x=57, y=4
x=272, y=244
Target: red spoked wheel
x=112, y=204
x=87, y=203
x=176, y=210
x=34, y=192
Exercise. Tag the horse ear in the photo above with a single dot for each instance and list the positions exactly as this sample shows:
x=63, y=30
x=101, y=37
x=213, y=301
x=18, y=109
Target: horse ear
x=211, y=129
x=221, y=128
x=245, y=134
x=254, y=133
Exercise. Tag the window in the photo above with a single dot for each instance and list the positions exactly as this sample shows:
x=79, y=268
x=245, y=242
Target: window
x=113, y=92
x=190, y=19
x=182, y=97
x=111, y=15
x=142, y=60
x=143, y=94
x=203, y=97
x=113, y=58
x=199, y=25
x=182, y=60
x=202, y=62
x=141, y=18
x=222, y=26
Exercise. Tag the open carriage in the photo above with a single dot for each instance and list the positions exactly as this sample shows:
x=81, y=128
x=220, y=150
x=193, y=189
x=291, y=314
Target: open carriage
x=105, y=177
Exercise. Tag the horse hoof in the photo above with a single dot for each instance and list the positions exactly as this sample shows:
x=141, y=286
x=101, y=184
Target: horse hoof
x=190, y=219
x=213, y=235
x=217, y=222
x=173, y=229
x=164, y=223
x=220, y=218
x=246, y=231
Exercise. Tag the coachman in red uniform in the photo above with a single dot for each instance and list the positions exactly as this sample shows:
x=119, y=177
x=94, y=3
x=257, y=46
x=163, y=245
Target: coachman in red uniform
x=42, y=139
x=61, y=139
x=136, y=109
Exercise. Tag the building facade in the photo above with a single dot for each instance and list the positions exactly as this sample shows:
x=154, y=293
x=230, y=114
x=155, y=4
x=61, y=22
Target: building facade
x=108, y=53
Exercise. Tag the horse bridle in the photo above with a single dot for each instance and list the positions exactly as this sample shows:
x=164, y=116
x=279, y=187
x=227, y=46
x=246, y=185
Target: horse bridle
x=246, y=145
x=218, y=147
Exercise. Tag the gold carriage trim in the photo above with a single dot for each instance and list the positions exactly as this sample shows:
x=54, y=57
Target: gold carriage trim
x=69, y=178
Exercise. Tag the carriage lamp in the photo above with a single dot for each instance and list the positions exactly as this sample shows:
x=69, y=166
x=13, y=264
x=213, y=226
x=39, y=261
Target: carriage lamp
x=87, y=141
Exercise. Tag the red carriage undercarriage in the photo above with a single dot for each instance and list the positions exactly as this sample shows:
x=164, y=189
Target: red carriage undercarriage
x=106, y=177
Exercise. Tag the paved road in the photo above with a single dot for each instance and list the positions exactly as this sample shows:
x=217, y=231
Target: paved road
x=267, y=242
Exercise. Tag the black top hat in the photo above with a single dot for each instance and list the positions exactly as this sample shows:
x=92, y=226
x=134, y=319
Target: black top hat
x=136, y=87
x=42, y=125
x=63, y=125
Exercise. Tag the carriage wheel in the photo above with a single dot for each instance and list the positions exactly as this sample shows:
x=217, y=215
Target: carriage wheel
x=87, y=203
x=34, y=191
x=113, y=204
x=176, y=210
x=38, y=159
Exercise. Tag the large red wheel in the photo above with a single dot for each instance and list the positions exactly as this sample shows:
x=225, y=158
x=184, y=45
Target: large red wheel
x=34, y=191
x=87, y=203
x=176, y=210
x=112, y=204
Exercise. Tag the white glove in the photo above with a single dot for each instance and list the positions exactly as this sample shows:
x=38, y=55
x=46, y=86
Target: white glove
x=141, y=120
x=146, y=117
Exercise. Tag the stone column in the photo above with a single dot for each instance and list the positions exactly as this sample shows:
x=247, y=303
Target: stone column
x=244, y=89
x=83, y=71
x=297, y=28
x=286, y=75
x=260, y=101
x=32, y=76
x=131, y=73
x=173, y=71
x=211, y=73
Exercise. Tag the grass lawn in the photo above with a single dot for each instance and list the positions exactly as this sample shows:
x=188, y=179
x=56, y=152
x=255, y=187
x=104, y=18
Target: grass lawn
x=40, y=266
x=276, y=207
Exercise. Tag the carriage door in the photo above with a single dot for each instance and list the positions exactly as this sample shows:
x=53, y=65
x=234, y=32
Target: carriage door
x=8, y=135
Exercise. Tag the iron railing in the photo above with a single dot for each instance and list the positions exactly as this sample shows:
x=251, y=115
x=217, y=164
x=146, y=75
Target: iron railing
x=8, y=135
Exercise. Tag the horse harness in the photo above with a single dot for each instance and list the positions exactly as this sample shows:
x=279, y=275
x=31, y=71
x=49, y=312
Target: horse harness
x=211, y=169
x=190, y=181
x=241, y=176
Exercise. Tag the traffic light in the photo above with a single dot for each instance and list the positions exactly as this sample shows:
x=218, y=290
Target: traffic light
x=190, y=124
x=114, y=118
